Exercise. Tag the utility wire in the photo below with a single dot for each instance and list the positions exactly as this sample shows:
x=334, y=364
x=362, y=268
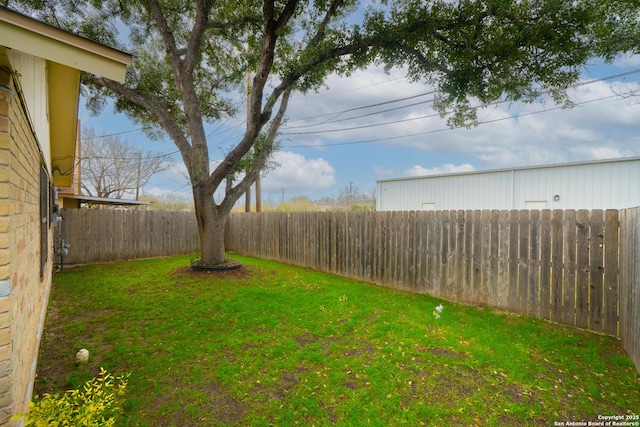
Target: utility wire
x=340, y=113
x=448, y=128
x=337, y=114
x=441, y=130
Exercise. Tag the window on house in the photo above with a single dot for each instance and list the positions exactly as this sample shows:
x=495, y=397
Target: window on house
x=44, y=219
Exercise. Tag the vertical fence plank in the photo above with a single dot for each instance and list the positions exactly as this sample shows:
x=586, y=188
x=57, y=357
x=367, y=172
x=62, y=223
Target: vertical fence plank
x=390, y=243
x=523, y=267
x=557, y=264
x=452, y=256
x=485, y=256
x=436, y=250
x=611, y=245
x=596, y=270
x=533, y=283
x=460, y=281
x=443, y=259
x=432, y=249
x=467, y=290
x=546, y=263
x=411, y=278
x=494, y=258
x=514, y=240
x=476, y=256
x=504, y=282
x=582, y=274
x=569, y=256
x=422, y=231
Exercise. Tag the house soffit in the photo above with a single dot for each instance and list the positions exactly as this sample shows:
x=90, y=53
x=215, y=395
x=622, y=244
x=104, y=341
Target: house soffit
x=53, y=44
x=67, y=55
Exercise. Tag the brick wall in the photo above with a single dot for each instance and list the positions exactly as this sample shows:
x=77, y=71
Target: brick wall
x=23, y=292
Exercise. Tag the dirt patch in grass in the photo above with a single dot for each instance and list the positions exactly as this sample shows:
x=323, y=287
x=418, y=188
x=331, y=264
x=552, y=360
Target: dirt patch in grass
x=243, y=272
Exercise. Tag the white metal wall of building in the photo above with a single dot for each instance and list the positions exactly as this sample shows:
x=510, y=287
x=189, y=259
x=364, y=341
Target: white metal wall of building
x=608, y=184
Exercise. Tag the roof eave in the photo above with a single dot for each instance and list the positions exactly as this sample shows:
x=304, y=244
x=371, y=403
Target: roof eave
x=36, y=38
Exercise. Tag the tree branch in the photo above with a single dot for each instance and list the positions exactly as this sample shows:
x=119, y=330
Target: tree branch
x=164, y=118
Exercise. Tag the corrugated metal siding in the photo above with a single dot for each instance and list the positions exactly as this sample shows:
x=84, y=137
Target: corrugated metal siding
x=596, y=185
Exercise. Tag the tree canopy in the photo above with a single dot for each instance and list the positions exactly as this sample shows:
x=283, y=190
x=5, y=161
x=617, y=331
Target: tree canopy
x=191, y=57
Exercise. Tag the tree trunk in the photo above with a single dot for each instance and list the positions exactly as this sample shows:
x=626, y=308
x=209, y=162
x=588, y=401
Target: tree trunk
x=211, y=226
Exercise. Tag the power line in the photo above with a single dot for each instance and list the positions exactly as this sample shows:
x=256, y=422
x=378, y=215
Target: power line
x=449, y=128
x=363, y=107
x=446, y=129
x=339, y=113
x=370, y=125
x=86, y=138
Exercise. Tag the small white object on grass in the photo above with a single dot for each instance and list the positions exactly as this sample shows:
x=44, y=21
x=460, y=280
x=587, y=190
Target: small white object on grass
x=439, y=308
x=82, y=355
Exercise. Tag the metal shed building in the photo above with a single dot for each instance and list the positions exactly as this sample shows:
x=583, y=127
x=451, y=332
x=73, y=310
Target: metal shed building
x=603, y=184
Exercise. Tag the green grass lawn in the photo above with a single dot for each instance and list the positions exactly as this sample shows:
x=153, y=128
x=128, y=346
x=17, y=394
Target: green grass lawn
x=273, y=344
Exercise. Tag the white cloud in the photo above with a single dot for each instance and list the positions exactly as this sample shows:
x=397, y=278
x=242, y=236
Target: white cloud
x=438, y=170
x=382, y=171
x=363, y=107
x=296, y=173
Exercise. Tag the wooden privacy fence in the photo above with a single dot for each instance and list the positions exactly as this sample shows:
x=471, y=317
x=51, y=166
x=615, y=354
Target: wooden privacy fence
x=630, y=282
x=580, y=268
x=558, y=265
x=107, y=235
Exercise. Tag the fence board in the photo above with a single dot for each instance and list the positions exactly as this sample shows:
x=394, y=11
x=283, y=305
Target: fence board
x=476, y=266
x=611, y=244
x=582, y=273
x=523, y=256
x=443, y=259
x=569, y=256
x=596, y=270
x=422, y=251
x=494, y=245
x=533, y=283
x=514, y=232
x=438, y=269
x=485, y=256
x=467, y=284
x=557, y=267
x=545, y=264
x=502, y=292
x=459, y=281
x=451, y=256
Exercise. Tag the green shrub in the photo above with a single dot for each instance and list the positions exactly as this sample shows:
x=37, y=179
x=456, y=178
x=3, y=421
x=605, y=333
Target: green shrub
x=97, y=403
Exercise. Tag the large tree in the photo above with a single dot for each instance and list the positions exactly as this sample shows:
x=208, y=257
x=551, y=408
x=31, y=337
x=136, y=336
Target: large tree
x=190, y=55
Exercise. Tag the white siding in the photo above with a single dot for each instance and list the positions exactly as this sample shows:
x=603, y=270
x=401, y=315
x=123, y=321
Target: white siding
x=33, y=82
x=611, y=184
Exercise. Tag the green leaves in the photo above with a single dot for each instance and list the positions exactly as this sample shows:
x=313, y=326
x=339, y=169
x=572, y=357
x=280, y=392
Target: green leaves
x=191, y=59
x=97, y=404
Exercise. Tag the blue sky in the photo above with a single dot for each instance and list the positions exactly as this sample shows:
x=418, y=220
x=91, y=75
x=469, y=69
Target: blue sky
x=374, y=126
